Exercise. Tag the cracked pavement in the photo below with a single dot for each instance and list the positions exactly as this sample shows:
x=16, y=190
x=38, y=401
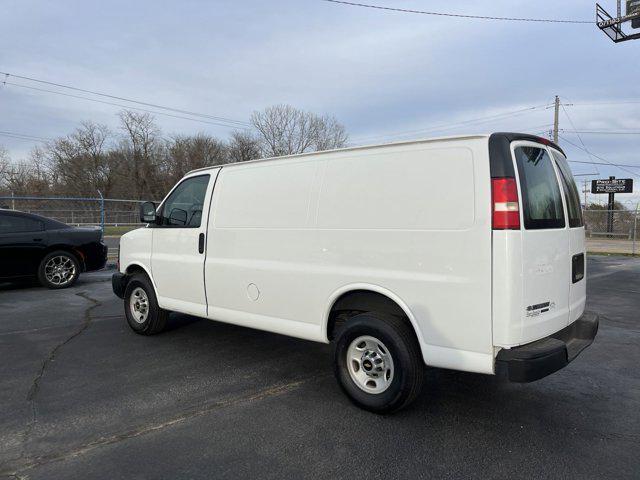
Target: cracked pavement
x=84, y=397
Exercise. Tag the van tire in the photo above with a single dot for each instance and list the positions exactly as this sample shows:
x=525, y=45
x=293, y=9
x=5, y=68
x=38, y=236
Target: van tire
x=394, y=334
x=155, y=319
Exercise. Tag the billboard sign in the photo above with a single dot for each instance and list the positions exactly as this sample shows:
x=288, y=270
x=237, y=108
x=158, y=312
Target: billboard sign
x=612, y=185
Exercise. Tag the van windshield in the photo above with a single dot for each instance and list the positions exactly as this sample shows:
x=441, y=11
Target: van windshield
x=542, y=202
x=570, y=191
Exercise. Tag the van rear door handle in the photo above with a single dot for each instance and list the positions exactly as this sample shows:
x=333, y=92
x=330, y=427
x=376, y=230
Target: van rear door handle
x=201, y=243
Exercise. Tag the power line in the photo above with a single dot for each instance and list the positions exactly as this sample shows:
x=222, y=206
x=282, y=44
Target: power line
x=579, y=137
x=600, y=158
x=456, y=15
x=606, y=102
x=443, y=127
x=125, y=99
x=603, y=163
x=22, y=136
x=129, y=107
x=600, y=132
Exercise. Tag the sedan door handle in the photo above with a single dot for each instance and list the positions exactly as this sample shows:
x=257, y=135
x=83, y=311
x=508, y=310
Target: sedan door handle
x=37, y=239
x=201, y=243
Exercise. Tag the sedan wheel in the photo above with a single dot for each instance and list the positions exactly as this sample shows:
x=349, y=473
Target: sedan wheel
x=58, y=270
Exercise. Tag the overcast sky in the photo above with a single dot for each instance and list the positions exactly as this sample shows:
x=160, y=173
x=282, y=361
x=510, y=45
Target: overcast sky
x=380, y=73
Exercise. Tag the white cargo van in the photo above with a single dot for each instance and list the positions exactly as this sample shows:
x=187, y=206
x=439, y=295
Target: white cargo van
x=464, y=253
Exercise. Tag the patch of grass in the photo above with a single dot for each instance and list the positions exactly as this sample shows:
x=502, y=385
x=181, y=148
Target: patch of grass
x=612, y=254
x=108, y=230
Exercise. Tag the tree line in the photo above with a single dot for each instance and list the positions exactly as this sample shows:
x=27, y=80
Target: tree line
x=137, y=161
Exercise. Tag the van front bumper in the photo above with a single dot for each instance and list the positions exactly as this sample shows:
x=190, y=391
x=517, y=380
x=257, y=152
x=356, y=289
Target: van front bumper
x=538, y=359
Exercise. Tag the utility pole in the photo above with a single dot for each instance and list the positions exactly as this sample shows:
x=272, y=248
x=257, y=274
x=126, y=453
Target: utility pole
x=556, y=120
x=611, y=206
x=619, y=8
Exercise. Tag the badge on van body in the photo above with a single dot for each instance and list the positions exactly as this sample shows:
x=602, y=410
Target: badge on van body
x=539, y=309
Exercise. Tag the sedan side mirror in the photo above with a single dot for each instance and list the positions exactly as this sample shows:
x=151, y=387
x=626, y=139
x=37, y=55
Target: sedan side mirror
x=148, y=212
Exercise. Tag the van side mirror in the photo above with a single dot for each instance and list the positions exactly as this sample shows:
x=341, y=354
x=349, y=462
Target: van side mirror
x=148, y=212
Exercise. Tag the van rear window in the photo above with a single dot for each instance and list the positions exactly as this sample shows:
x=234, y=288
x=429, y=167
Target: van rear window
x=542, y=202
x=570, y=191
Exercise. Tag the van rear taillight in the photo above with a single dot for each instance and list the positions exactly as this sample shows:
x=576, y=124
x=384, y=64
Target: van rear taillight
x=506, y=209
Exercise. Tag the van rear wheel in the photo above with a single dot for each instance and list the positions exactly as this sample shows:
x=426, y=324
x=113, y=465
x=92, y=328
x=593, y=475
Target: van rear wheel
x=144, y=316
x=378, y=363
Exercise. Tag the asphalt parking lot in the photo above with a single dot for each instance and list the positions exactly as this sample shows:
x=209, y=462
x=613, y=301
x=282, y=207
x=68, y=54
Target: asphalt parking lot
x=84, y=397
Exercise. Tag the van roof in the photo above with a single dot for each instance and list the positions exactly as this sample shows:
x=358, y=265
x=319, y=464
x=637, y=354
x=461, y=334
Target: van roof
x=511, y=137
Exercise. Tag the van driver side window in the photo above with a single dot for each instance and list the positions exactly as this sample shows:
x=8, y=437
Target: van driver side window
x=183, y=208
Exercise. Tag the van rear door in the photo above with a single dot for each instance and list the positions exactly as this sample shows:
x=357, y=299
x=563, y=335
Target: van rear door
x=578, y=285
x=546, y=254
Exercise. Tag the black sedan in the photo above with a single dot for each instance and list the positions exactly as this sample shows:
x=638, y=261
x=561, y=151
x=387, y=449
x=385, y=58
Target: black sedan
x=51, y=251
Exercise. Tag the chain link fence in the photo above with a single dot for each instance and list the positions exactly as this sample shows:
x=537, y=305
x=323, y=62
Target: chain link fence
x=612, y=231
x=606, y=231
x=106, y=212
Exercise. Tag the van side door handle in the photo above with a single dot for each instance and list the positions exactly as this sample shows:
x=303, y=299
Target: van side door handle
x=201, y=243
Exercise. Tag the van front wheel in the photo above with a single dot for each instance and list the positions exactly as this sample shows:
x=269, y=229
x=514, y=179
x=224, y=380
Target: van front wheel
x=144, y=316
x=378, y=362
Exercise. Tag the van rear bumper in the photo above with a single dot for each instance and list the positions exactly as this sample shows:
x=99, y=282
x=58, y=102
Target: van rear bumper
x=538, y=359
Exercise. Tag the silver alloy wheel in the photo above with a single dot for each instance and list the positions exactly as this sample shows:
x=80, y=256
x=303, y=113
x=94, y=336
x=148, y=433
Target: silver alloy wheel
x=60, y=270
x=370, y=364
x=139, y=305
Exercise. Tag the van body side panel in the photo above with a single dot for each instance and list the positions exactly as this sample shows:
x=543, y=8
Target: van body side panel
x=138, y=249
x=262, y=249
x=411, y=219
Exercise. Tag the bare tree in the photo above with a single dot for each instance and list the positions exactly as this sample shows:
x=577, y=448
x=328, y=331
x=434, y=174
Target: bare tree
x=140, y=164
x=330, y=134
x=4, y=167
x=28, y=178
x=285, y=130
x=140, y=154
x=79, y=162
x=243, y=146
x=185, y=153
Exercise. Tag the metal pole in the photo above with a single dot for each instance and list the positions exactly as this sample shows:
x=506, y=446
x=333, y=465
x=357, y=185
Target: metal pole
x=101, y=211
x=556, y=120
x=611, y=206
x=635, y=229
x=13, y=202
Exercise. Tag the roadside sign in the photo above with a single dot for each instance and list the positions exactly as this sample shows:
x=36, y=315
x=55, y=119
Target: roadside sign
x=633, y=8
x=612, y=185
